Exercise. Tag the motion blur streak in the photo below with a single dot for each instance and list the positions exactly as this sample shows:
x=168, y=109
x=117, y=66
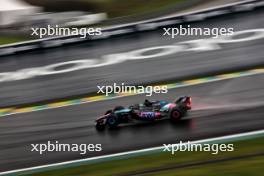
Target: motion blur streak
x=13, y=110
x=195, y=45
x=216, y=108
x=199, y=60
x=75, y=124
x=234, y=137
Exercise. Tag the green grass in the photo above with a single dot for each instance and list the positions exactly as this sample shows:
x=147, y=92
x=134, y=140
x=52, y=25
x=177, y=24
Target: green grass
x=119, y=8
x=114, y=8
x=244, y=167
x=250, y=166
x=10, y=39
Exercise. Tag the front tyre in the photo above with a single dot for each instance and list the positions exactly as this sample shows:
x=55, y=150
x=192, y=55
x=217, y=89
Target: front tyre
x=112, y=121
x=100, y=126
x=175, y=115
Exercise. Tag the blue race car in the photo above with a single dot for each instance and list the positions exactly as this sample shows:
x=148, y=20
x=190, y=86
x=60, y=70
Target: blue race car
x=146, y=111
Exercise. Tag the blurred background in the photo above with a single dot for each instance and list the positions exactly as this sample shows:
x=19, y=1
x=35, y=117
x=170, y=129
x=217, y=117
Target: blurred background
x=19, y=16
x=48, y=87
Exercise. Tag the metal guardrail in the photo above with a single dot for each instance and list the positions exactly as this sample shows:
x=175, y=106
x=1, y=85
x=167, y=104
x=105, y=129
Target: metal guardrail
x=246, y=5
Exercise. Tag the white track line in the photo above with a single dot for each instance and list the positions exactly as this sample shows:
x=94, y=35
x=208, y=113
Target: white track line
x=131, y=152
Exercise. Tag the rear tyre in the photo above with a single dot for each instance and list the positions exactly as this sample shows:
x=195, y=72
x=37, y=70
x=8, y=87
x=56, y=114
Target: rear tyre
x=175, y=115
x=112, y=121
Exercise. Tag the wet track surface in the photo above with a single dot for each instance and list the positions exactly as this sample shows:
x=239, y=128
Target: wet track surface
x=175, y=66
x=219, y=108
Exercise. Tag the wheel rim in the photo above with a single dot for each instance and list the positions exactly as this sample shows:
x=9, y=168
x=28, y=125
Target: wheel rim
x=111, y=121
x=175, y=114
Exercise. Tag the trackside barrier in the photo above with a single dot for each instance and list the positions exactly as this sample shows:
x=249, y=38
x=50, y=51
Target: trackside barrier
x=125, y=155
x=246, y=5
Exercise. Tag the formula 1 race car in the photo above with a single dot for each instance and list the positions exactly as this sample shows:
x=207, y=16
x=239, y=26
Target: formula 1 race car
x=146, y=111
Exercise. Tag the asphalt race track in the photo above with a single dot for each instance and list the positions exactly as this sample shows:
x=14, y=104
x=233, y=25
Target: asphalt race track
x=228, y=56
x=219, y=108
